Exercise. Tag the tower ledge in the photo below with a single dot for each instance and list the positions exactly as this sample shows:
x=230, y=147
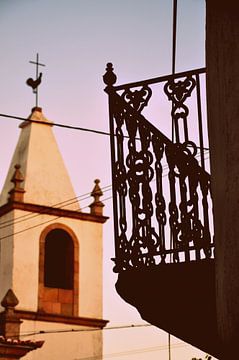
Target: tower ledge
x=37, y=116
x=50, y=210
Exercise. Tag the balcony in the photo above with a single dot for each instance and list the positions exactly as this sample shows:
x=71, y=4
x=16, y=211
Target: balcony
x=164, y=244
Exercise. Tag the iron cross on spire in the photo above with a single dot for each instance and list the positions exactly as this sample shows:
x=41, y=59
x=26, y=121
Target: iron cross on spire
x=35, y=83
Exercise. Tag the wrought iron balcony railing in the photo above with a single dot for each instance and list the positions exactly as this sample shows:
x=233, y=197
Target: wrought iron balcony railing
x=161, y=190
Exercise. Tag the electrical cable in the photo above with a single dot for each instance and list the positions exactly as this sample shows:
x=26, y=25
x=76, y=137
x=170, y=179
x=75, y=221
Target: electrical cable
x=43, y=223
x=43, y=212
x=118, y=327
x=174, y=38
x=121, y=353
x=132, y=352
x=56, y=124
x=82, y=197
x=68, y=126
x=67, y=203
x=57, y=217
x=64, y=203
x=30, y=216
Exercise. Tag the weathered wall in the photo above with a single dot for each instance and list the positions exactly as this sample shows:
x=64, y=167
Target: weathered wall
x=6, y=253
x=60, y=345
x=222, y=60
x=26, y=261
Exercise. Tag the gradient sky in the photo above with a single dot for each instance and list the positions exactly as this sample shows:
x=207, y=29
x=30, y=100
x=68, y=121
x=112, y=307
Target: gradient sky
x=75, y=39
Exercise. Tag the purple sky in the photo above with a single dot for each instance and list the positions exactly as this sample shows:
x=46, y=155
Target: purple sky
x=75, y=39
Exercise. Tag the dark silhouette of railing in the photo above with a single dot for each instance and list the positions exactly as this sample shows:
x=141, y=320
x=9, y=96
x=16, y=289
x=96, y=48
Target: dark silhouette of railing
x=161, y=190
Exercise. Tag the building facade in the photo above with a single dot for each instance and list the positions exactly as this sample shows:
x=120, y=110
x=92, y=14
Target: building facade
x=51, y=251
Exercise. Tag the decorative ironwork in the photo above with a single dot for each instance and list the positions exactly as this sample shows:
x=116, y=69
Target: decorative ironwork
x=138, y=99
x=187, y=179
x=178, y=92
x=150, y=204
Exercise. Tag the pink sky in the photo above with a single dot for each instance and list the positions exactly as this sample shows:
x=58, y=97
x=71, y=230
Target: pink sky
x=75, y=39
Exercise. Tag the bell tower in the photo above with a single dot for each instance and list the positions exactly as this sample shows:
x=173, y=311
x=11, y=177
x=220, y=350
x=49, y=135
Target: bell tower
x=51, y=251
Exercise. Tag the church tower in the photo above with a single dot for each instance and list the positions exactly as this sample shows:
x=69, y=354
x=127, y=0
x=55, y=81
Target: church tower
x=51, y=251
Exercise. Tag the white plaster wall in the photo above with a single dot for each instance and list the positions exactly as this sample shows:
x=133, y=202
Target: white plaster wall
x=91, y=275
x=6, y=253
x=26, y=261
x=47, y=181
x=63, y=345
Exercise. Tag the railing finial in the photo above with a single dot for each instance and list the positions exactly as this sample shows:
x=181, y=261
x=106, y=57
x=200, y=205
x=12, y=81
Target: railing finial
x=109, y=77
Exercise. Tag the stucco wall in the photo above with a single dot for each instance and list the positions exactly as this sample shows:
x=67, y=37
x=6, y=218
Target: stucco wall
x=25, y=265
x=63, y=345
x=6, y=253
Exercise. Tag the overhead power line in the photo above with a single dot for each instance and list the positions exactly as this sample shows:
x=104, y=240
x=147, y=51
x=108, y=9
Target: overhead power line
x=56, y=206
x=30, y=216
x=56, y=124
x=174, y=37
x=42, y=223
x=41, y=212
x=118, y=327
x=65, y=203
x=115, y=354
x=95, y=131
x=132, y=352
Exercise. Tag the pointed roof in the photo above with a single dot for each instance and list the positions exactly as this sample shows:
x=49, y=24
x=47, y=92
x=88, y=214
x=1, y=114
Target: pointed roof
x=45, y=178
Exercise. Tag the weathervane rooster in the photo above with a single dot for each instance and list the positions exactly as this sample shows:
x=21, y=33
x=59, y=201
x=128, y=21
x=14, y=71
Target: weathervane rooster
x=34, y=83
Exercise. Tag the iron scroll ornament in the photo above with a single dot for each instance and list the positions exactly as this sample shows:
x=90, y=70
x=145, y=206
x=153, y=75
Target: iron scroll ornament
x=138, y=99
x=177, y=92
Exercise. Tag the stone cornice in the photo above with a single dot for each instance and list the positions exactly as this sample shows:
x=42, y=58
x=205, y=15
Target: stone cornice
x=71, y=320
x=48, y=210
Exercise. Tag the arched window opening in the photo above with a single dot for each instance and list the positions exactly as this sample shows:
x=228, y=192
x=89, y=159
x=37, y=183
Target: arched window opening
x=59, y=260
